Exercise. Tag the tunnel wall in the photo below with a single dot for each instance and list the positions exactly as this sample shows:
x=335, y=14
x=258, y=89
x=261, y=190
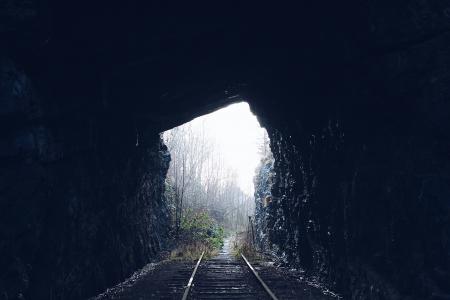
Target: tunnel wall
x=82, y=203
x=369, y=219
x=360, y=191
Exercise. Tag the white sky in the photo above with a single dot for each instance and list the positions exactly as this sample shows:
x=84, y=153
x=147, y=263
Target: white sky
x=238, y=134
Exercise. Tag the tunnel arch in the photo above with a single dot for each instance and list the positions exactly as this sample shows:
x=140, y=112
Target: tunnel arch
x=354, y=98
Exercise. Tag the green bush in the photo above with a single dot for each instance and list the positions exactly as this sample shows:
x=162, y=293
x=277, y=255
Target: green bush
x=200, y=227
x=198, y=233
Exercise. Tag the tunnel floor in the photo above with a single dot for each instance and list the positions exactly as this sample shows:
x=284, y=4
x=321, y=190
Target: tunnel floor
x=221, y=277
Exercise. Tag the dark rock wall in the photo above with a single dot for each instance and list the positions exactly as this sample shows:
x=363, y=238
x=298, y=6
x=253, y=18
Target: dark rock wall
x=360, y=195
x=263, y=195
x=82, y=207
x=368, y=218
x=360, y=192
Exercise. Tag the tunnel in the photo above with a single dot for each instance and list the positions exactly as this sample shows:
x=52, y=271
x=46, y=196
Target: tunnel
x=354, y=97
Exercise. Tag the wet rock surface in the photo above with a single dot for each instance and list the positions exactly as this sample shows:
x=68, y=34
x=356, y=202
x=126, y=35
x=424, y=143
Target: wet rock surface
x=263, y=182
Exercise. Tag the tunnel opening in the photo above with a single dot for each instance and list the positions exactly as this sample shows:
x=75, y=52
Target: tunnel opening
x=354, y=97
x=214, y=176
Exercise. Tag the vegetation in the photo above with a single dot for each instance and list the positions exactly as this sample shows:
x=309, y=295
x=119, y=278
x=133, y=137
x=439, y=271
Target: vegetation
x=243, y=244
x=198, y=233
x=202, y=190
x=199, y=180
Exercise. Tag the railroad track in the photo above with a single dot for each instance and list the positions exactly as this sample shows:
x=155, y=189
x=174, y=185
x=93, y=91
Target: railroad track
x=221, y=277
x=224, y=277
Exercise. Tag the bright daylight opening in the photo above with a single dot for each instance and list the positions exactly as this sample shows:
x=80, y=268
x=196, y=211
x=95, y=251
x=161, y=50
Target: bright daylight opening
x=210, y=182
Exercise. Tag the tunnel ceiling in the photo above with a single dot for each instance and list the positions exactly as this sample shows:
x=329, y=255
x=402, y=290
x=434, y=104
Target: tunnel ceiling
x=150, y=57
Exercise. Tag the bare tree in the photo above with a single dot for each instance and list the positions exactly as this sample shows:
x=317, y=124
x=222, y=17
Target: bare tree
x=199, y=179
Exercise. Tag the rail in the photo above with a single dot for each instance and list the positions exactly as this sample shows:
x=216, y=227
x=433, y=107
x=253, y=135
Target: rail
x=264, y=285
x=191, y=280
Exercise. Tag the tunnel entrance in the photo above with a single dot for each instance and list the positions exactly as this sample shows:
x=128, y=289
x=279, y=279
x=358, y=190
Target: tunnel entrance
x=210, y=182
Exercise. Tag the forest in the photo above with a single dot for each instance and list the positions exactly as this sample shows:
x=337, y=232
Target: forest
x=202, y=188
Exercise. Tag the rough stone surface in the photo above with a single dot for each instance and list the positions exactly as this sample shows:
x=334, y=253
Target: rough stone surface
x=370, y=219
x=263, y=196
x=81, y=208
